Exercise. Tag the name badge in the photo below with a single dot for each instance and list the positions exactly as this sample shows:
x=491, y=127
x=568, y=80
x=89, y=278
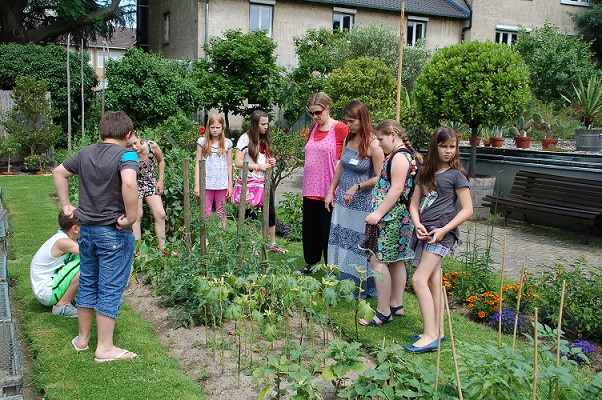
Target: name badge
x=354, y=161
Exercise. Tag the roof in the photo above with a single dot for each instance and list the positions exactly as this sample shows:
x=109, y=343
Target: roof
x=123, y=38
x=441, y=8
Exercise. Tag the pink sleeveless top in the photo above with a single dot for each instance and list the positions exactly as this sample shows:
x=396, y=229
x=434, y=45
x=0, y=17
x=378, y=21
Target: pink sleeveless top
x=320, y=163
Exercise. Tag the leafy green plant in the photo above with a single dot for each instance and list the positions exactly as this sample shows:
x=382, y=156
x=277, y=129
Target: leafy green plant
x=347, y=358
x=586, y=100
x=29, y=122
x=583, y=297
x=8, y=146
x=289, y=151
x=290, y=215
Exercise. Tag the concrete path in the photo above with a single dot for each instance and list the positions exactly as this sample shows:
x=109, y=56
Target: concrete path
x=529, y=244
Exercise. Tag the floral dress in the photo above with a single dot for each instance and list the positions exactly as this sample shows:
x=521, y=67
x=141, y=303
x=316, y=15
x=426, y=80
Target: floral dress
x=147, y=179
x=395, y=229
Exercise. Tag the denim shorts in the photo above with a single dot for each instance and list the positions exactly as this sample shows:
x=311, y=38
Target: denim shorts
x=106, y=261
x=437, y=248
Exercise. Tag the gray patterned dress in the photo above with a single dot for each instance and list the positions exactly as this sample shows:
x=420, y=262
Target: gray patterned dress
x=348, y=223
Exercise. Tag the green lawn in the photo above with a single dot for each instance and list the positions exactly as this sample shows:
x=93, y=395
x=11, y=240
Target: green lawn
x=60, y=372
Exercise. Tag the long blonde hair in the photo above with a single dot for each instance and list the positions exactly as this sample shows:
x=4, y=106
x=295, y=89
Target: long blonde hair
x=389, y=127
x=221, y=148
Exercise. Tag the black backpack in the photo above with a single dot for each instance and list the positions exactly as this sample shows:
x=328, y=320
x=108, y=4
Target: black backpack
x=412, y=172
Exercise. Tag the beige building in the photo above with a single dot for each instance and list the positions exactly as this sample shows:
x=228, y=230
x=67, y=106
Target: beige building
x=180, y=28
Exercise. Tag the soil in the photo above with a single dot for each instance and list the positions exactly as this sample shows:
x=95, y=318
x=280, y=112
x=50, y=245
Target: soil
x=192, y=347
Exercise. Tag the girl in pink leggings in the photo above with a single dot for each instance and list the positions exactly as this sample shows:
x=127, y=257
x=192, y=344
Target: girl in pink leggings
x=216, y=150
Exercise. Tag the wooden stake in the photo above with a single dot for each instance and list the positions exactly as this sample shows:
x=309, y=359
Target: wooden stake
x=499, y=325
x=266, y=216
x=187, y=213
x=242, y=204
x=441, y=307
x=535, y=338
x=202, y=202
x=401, y=43
x=520, y=292
x=451, y=339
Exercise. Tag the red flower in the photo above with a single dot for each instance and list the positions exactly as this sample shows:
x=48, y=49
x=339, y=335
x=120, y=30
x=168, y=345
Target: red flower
x=304, y=132
x=201, y=130
x=481, y=314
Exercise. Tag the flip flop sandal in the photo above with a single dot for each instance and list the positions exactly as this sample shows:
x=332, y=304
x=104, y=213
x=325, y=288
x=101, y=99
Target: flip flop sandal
x=395, y=309
x=384, y=319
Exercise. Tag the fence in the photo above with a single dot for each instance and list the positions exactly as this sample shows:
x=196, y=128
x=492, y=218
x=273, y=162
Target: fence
x=11, y=373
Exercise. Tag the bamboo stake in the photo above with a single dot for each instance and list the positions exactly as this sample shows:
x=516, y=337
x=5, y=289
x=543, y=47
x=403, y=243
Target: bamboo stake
x=68, y=93
x=202, y=200
x=520, y=293
x=401, y=43
x=266, y=216
x=535, y=338
x=499, y=325
x=451, y=339
x=81, y=72
x=559, y=330
x=441, y=307
x=187, y=214
x=242, y=205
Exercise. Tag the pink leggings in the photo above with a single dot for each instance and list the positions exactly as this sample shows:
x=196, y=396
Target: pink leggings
x=219, y=196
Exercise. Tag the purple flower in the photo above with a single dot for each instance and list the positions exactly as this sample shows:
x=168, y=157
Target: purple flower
x=587, y=349
x=508, y=317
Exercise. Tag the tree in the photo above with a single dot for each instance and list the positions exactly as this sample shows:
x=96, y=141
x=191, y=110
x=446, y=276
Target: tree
x=42, y=21
x=366, y=79
x=29, y=122
x=48, y=63
x=555, y=61
x=150, y=88
x=589, y=25
x=240, y=68
x=479, y=84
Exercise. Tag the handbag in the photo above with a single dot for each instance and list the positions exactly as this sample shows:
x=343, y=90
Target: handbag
x=370, y=239
x=254, y=192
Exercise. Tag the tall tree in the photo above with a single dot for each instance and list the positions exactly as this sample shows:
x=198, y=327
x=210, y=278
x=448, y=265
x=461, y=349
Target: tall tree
x=589, y=25
x=42, y=21
x=479, y=84
x=241, y=68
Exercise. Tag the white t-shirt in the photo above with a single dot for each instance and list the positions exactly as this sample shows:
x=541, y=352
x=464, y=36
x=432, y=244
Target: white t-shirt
x=43, y=268
x=242, y=145
x=216, y=167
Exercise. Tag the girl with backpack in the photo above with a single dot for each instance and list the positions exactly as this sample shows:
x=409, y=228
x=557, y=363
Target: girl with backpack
x=390, y=199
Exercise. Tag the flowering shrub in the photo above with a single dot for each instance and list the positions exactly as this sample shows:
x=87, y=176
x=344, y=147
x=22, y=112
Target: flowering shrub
x=451, y=279
x=483, y=306
x=508, y=318
x=528, y=296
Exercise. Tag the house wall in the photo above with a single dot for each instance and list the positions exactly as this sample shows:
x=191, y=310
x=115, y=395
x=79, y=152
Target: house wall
x=183, y=28
x=519, y=13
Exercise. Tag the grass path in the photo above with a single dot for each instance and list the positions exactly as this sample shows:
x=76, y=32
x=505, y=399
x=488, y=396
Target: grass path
x=59, y=371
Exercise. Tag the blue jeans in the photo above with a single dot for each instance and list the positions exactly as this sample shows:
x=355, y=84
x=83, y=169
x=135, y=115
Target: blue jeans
x=106, y=262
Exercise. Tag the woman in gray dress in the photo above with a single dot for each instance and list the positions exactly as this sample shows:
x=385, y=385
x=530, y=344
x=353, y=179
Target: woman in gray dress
x=350, y=195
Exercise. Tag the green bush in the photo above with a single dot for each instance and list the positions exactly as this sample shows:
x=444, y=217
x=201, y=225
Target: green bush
x=366, y=79
x=290, y=215
x=48, y=63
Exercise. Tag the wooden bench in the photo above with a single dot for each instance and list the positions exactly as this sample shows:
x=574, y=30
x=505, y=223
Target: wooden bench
x=579, y=200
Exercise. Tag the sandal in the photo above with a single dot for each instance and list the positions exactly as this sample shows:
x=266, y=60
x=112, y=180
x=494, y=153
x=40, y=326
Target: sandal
x=395, y=309
x=384, y=319
x=305, y=270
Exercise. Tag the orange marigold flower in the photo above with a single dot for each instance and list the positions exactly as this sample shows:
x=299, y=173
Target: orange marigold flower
x=470, y=305
x=559, y=272
x=471, y=299
x=496, y=308
x=536, y=295
x=527, y=272
x=481, y=314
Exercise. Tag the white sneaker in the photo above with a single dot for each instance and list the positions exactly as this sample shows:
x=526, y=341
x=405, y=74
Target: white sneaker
x=66, y=310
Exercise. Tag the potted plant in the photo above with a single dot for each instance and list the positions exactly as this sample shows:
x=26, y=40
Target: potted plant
x=486, y=134
x=521, y=132
x=33, y=164
x=586, y=101
x=8, y=146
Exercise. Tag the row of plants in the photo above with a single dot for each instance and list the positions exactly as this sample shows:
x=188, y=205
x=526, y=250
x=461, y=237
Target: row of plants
x=222, y=289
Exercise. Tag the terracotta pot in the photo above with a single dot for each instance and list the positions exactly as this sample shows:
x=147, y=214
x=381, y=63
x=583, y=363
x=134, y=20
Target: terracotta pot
x=7, y=173
x=478, y=140
x=487, y=144
x=549, y=143
x=523, y=142
x=496, y=141
x=459, y=137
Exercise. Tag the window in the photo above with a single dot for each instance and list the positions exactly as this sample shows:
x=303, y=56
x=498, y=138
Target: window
x=166, y=22
x=342, y=19
x=416, y=30
x=102, y=55
x=575, y=2
x=260, y=14
x=507, y=34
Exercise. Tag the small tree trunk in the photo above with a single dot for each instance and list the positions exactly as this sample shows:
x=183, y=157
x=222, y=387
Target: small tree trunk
x=472, y=164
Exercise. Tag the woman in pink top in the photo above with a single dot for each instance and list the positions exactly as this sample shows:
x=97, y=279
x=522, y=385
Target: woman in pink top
x=322, y=151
